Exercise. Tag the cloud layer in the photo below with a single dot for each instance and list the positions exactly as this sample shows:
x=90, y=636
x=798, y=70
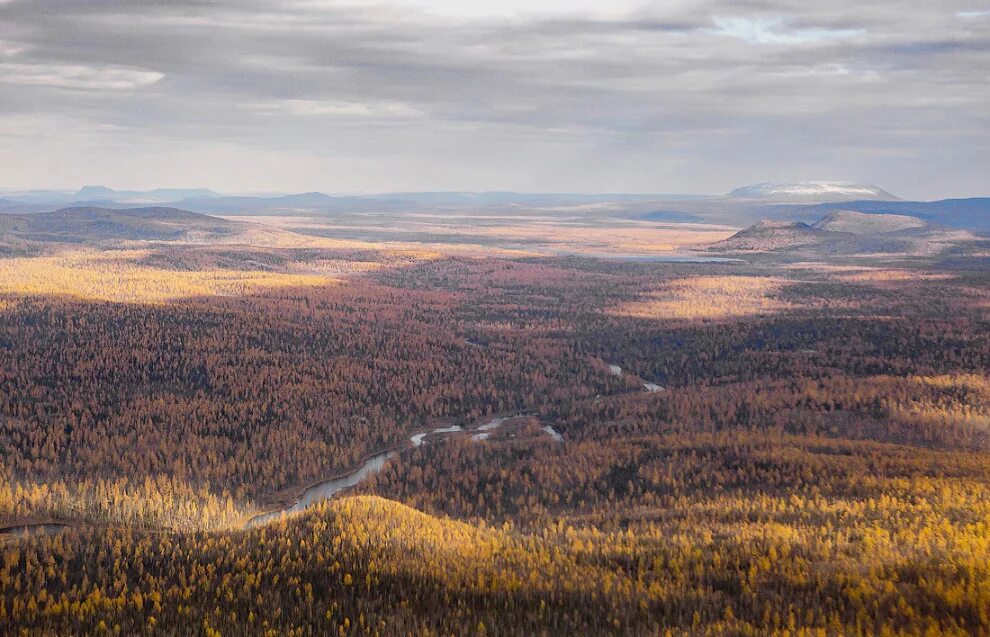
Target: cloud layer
x=422, y=94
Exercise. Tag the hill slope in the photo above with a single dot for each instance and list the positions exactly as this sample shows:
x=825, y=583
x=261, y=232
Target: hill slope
x=771, y=235
x=862, y=223
x=968, y=214
x=849, y=233
x=90, y=224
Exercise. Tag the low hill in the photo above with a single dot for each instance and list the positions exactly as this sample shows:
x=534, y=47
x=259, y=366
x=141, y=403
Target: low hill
x=862, y=223
x=967, y=214
x=90, y=224
x=848, y=233
x=971, y=214
x=771, y=236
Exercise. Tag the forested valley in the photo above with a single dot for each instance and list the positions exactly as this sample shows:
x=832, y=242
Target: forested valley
x=736, y=448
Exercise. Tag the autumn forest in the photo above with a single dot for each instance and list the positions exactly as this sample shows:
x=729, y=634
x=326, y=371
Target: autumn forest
x=562, y=444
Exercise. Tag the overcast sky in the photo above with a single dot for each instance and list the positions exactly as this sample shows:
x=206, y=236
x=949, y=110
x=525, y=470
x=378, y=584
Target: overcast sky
x=582, y=95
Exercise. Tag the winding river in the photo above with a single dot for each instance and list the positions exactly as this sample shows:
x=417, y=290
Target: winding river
x=329, y=488
x=419, y=438
x=553, y=433
x=615, y=370
x=30, y=530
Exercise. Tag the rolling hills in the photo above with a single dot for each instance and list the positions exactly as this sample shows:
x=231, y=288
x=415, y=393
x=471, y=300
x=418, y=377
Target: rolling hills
x=848, y=233
x=967, y=214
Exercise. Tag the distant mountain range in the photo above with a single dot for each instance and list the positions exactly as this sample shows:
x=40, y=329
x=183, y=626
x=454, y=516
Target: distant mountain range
x=102, y=194
x=805, y=202
x=162, y=195
x=208, y=201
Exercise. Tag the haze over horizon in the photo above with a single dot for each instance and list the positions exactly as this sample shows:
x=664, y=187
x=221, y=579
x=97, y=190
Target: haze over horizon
x=96, y=192
x=428, y=95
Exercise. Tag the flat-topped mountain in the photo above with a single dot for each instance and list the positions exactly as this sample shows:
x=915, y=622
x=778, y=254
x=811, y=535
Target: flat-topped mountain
x=90, y=193
x=811, y=191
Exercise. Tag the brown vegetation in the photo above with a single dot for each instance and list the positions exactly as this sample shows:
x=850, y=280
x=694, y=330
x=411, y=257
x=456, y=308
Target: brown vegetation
x=816, y=461
x=708, y=297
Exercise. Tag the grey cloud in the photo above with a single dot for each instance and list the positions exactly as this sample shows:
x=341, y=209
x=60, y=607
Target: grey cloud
x=695, y=99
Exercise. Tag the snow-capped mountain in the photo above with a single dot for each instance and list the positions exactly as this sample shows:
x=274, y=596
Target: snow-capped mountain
x=812, y=191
